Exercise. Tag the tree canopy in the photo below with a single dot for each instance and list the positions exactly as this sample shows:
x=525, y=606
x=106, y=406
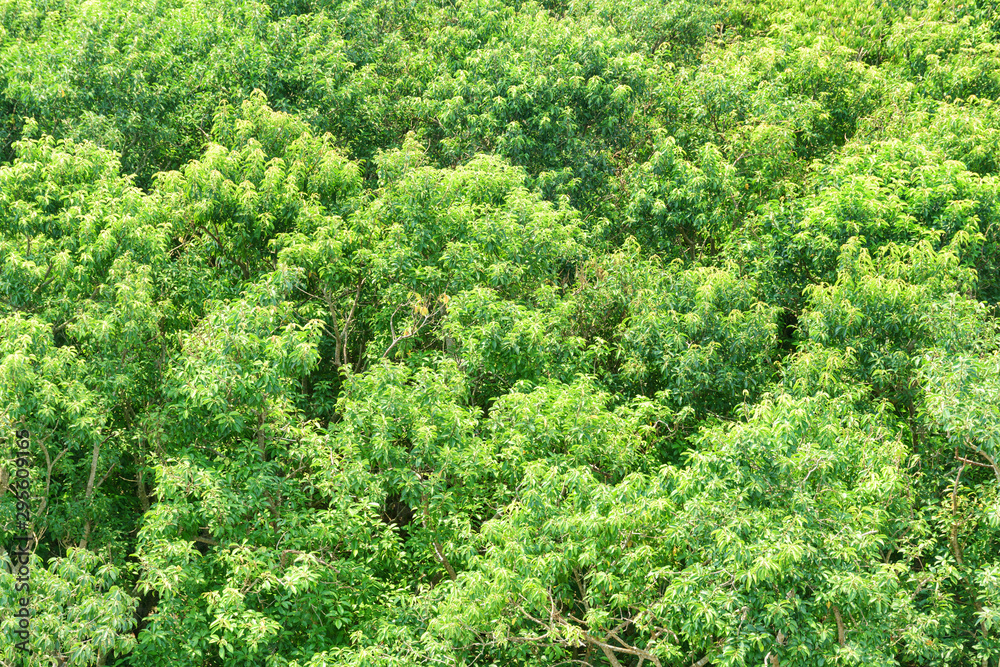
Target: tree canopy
x=370, y=333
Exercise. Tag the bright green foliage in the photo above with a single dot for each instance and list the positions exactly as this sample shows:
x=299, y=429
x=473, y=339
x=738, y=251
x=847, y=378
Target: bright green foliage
x=950, y=58
x=47, y=386
x=698, y=339
x=861, y=26
x=567, y=425
x=275, y=179
x=82, y=616
x=884, y=318
x=145, y=78
x=673, y=30
x=623, y=334
x=383, y=278
x=914, y=185
x=283, y=570
x=236, y=480
x=444, y=231
x=728, y=556
x=900, y=192
x=962, y=400
x=416, y=440
x=555, y=97
x=683, y=206
x=81, y=335
x=502, y=342
x=822, y=87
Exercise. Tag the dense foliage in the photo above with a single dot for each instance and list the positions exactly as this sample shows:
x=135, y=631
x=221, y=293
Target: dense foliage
x=489, y=332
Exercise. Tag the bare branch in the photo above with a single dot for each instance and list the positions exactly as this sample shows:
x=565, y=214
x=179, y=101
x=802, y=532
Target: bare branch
x=396, y=340
x=840, y=625
x=992, y=461
x=703, y=661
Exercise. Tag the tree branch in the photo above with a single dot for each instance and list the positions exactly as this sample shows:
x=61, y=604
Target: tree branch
x=45, y=279
x=840, y=625
x=91, y=486
x=411, y=334
x=993, y=463
x=703, y=661
x=956, y=550
x=243, y=267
